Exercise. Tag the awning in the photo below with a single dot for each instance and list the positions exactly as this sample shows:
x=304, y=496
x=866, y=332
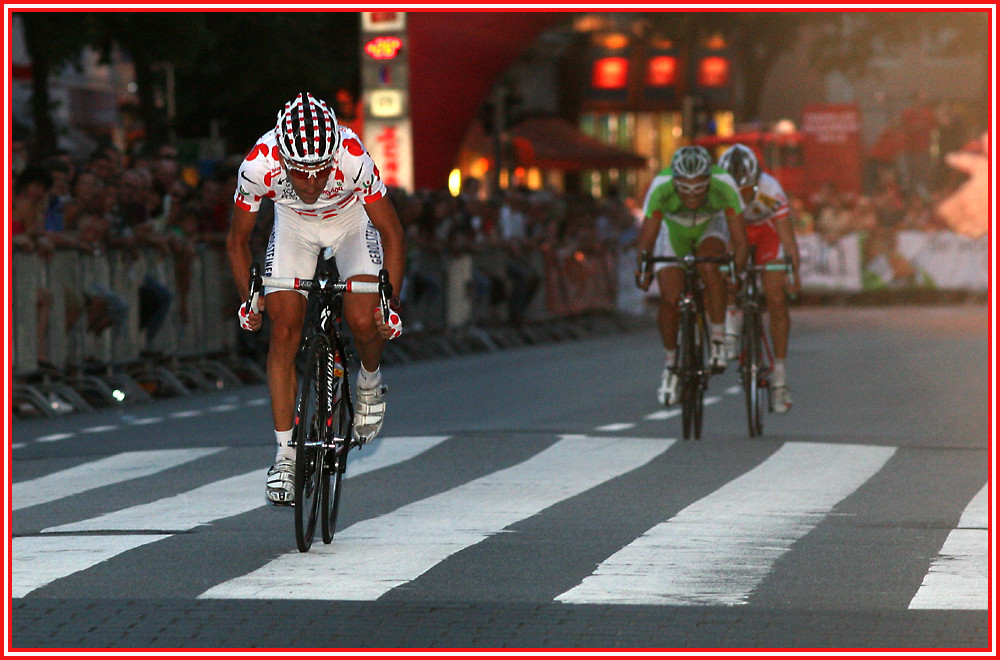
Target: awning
x=556, y=144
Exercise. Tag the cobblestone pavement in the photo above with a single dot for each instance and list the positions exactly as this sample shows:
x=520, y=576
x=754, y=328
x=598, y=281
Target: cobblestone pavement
x=121, y=624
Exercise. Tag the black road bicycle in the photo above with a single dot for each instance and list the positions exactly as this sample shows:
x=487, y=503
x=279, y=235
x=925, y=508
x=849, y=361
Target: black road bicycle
x=323, y=431
x=691, y=365
x=756, y=357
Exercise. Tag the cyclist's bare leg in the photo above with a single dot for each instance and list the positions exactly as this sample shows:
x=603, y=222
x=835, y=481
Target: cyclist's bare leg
x=671, y=283
x=286, y=310
x=777, y=307
x=359, y=312
x=715, y=283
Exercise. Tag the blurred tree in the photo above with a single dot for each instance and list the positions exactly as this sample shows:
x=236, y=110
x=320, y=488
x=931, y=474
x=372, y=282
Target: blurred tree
x=158, y=44
x=51, y=39
x=235, y=68
x=254, y=62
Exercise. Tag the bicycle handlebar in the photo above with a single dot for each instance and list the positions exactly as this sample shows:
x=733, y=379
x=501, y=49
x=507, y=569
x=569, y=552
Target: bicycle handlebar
x=688, y=261
x=770, y=267
x=323, y=283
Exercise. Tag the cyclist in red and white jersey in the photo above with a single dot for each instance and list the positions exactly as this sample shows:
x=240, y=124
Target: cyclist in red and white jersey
x=769, y=229
x=327, y=194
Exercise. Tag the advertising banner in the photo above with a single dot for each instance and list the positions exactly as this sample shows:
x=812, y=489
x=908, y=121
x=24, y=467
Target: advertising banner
x=832, y=146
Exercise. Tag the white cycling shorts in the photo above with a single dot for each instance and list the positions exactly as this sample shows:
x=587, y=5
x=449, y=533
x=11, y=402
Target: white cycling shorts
x=717, y=228
x=296, y=243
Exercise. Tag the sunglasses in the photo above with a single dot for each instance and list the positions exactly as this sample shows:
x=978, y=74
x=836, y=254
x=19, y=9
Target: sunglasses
x=303, y=173
x=685, y=188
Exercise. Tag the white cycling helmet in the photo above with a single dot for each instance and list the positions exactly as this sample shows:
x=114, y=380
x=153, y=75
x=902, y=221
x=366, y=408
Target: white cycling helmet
x=307, y=132
x=741, y=163
x=691, y=162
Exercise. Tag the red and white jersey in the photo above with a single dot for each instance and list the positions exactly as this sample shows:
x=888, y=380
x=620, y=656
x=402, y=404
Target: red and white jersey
x=770, y=202
x=354, y=179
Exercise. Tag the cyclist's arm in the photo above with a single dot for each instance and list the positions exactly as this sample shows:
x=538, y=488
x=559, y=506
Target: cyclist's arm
x=238, y=248
x=787, y=235
x=738, y=238
x=383, y=215
x=649, y=231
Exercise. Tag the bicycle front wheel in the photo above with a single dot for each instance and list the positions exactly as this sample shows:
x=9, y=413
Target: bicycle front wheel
x=336, y=457
x=310, y=430
x=701, y=378
x=689, y=368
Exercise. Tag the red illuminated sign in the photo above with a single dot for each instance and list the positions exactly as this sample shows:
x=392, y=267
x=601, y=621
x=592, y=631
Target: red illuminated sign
x=661, y=71
x=610, y=73
x=713, y=72
x=383, y=48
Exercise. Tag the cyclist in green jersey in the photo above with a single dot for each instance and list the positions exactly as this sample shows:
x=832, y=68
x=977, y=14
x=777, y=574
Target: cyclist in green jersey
x=699, y=208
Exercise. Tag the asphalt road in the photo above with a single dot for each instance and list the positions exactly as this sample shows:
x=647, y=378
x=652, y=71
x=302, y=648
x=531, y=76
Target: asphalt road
x=539, y=498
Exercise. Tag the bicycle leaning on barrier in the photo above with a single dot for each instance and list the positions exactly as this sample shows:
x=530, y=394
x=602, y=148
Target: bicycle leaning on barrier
x=691, y=366
x=323, y=430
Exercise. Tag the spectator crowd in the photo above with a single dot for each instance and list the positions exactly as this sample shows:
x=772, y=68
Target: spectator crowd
x=529, y=247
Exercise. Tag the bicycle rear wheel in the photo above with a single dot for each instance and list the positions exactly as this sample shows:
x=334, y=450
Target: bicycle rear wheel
x=752, y=372
x=701, y=380
x=336, y=458
x=310, y=430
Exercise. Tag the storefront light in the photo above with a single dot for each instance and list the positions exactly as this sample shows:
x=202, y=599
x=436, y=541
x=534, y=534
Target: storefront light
x=662, y=71
x=610, y=73
x=713, y=71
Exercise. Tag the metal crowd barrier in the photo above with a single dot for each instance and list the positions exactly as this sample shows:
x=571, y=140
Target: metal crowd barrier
x=444, y=294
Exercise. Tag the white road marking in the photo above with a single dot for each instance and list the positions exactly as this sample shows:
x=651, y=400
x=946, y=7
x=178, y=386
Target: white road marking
x=225, y=407
x=663, y=414
x=233, y=496
x=184, y=414
x=958, y=578
x=142, y=421
x=54, y=437
x=100, y=429
x=110, y=470
x=373, y=556
x=718, y=549
x=735, y=389
x=37, y=561
x=616, y=427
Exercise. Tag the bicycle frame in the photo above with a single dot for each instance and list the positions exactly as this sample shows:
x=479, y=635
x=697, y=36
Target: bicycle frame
x=324, y=411
x=756, y=357
x=693, y=331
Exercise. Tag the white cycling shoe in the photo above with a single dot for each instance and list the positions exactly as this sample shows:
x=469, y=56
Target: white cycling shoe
x=732, y=347
x=369, y=413
x=781, y=399
x=669, y=392
x=717, y=360
x=280, y=487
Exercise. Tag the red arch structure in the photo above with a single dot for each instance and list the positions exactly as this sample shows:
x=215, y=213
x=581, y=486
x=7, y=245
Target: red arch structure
x=455, y=58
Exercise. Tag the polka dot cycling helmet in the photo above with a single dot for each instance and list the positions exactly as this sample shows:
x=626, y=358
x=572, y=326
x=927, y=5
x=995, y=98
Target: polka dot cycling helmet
x=307, y=132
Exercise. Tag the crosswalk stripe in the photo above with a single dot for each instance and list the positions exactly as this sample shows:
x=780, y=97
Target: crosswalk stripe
x=235, y=495
x=957, y=579
x=38, y=560
x=371, y=557
x=110, y=470
x=715, y=551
